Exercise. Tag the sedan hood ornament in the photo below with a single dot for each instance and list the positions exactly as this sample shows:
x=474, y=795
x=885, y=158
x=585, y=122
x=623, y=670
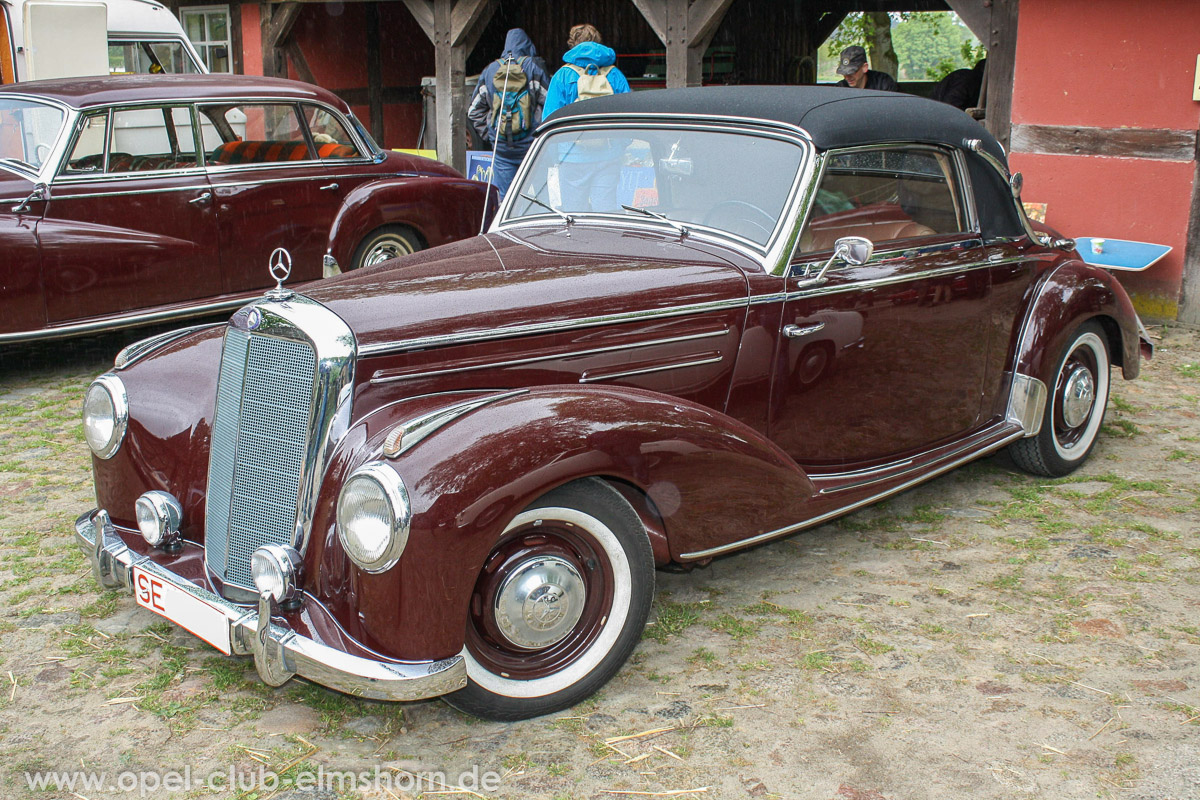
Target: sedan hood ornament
x=280, y=267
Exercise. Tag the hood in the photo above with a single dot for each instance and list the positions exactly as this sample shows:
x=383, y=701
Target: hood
x=518, y=44
x=499, y=280
x=14, y=186
x=588, y=53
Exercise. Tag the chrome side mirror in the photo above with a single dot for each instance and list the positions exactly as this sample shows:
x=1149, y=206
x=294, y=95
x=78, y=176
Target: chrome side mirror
x=1016, y=183
x=40, y=192
x=854, y=250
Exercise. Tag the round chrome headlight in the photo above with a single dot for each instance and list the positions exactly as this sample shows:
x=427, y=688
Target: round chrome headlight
x=373, y=516
x=275, y=569
x=105, y=415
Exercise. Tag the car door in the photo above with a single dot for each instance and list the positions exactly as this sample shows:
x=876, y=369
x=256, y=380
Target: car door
x=130, y=223
x=277, y=183
x=882, y=360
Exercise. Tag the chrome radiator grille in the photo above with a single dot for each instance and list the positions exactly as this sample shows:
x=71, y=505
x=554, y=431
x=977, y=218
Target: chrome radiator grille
x=260, y=442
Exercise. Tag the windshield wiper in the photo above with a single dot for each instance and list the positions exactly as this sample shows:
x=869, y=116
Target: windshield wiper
x=679, y=226
x=18, y=162
x=567, y=218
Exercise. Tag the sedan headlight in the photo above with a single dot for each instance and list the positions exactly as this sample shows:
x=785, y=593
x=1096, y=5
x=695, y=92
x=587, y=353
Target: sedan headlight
x=105, y=415
x=373, y=517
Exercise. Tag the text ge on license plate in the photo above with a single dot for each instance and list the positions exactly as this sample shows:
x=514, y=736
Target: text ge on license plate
x=207, y=622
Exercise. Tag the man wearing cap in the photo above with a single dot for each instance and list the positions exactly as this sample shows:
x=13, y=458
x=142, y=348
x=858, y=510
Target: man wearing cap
x=852, y=64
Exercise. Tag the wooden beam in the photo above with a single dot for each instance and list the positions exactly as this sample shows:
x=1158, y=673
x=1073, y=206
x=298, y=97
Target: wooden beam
x=1160, y=144
x=704, y=17
x=677, y=42
x=450, y=70
x=274, y=60
x=374, y=74
x=422, y=11
x=469, y=17
x=975, y=14
x=296, y=56
x=655, y=14
x=1189, y=298
x=279, y=28
x=1001, y=68
x=826, y=23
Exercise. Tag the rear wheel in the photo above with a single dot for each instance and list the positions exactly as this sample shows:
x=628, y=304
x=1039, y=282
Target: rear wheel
x=390, y=241
x=1074, y=410
x=559, y=605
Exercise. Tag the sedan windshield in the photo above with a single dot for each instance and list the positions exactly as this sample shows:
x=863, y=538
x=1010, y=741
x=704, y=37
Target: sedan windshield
x=736, y=183
x=28, y=131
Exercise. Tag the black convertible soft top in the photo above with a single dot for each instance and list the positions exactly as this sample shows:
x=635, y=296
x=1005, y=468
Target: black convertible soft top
x=834, y=116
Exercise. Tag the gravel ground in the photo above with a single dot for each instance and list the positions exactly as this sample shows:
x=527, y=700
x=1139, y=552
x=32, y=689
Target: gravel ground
x=987, y=635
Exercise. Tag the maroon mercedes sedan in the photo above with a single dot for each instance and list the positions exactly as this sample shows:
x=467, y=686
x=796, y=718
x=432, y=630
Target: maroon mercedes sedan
x=137, y=199
x=703, y=319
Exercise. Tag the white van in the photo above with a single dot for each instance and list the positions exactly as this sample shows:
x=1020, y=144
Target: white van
x=75, y=38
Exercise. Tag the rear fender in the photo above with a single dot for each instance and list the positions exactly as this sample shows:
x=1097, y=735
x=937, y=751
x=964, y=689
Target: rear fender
x=439, y=210
x=710, y=479
x=1070, y=295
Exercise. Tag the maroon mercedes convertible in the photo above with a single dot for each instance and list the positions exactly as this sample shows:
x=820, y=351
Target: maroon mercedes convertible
x=703, y=319
x=128, y=200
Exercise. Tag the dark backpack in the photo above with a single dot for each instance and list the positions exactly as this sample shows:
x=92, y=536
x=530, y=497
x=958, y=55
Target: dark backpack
x=512, y=105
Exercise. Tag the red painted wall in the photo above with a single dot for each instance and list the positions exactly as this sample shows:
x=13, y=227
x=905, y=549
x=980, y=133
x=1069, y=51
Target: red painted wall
x=252, y=58
x=1112, y=64
x=333, y=37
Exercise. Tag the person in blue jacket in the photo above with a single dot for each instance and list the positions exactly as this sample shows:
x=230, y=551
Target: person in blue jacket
x=527, y=98
x=589, y=173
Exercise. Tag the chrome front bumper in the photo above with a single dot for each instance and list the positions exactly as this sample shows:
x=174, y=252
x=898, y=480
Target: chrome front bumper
x=279, y=653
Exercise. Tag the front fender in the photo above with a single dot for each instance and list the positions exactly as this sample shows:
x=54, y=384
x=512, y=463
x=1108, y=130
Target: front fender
x=711, y=479
x=440, y=210
x=1068, y=296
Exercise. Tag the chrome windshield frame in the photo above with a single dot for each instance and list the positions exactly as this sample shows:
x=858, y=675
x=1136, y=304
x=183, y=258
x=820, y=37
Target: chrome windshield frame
x=767, y=255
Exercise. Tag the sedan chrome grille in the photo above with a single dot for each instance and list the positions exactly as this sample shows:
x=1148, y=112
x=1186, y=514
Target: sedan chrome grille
x=276, y=400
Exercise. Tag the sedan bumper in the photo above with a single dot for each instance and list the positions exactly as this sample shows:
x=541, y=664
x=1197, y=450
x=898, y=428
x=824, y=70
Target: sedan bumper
x=279, y=653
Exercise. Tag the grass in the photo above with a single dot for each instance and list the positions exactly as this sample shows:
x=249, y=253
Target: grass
x=673, y=618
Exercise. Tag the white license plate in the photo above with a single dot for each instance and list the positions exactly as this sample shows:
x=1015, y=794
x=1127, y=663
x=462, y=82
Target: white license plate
x=206, y=621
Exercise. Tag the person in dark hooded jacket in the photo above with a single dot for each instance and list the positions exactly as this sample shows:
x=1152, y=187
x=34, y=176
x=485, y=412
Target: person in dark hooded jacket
x=508, y=130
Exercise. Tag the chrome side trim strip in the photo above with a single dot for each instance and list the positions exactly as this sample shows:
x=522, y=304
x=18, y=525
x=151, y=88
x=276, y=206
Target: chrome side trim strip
x=550, y=357
x=765, y=537
x=131, y=354
x=408, y=435
x=905, y=278
x=131, y=321
x=896, y=470
x=647, y=370
x=201, y=187
x=423, y=342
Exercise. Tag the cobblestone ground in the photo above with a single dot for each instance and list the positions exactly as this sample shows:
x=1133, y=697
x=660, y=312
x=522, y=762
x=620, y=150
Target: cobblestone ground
x=987, y=635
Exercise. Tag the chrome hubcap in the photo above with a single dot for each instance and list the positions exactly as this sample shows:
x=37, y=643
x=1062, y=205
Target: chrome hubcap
x=1079, y=394
x=384, y=251
x=539, y=603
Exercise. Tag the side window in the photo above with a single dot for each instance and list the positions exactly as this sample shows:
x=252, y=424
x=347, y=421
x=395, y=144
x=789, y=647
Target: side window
x=886, y=196
x=329, y=134
x=253, y=133
x=87, y=156
x=151, y=139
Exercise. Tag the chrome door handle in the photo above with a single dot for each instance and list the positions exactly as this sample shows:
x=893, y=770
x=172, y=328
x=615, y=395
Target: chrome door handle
x=331, y=187
x=201, y=200
x=796, y=331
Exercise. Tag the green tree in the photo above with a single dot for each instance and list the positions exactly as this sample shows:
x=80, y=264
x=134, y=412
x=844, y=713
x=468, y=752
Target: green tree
x=928, y=44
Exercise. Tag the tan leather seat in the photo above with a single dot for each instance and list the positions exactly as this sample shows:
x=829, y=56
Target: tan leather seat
x=879, y=223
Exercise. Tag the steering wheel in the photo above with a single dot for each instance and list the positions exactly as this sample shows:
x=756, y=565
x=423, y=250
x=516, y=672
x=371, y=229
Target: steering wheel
x=739, y=216
x=41, y=151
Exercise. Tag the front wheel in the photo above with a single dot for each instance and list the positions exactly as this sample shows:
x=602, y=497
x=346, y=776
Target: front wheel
x=1074, y=410
x=560, y=604
x=390, y=241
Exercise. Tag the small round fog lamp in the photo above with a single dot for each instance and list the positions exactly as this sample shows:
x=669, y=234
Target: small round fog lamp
x=159, y=516
x=276, y=571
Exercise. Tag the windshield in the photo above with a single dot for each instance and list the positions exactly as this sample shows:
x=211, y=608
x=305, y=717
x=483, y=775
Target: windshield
x=28, y=131
x=141, y=57
x=737, y=183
